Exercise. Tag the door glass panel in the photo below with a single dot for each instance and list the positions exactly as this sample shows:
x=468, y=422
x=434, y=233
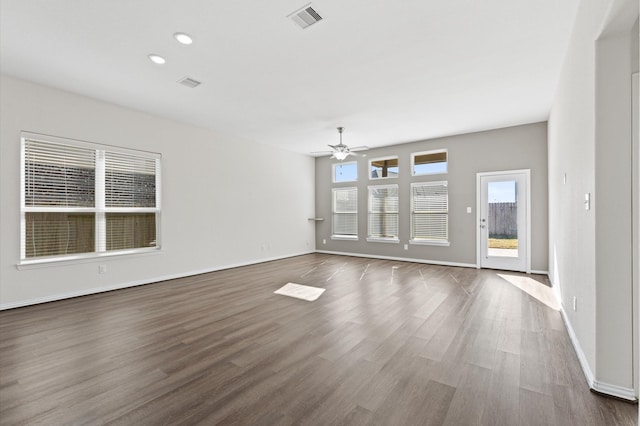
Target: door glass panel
x=502, y=219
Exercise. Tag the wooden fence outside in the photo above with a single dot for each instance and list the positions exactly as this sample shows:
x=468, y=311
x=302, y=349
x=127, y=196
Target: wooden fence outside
x=503, y=223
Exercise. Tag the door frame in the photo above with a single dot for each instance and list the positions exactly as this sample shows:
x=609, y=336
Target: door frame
x=527, y=173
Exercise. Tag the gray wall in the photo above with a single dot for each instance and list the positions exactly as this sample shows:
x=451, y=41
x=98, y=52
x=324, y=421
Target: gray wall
x=520, y=147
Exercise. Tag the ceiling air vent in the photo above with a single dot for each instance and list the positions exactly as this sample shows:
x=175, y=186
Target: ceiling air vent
x=305, y=17
x=189, y=82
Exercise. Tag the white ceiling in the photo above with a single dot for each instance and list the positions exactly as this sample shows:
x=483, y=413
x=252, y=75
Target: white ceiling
x=388, y=71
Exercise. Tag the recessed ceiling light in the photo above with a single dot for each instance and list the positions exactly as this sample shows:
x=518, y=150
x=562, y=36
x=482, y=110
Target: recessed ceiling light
x=183, y=38
x=157, y=59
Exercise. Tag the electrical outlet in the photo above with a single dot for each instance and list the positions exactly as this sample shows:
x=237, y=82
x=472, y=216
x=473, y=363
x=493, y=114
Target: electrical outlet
x=575, y=304
x=324, y=241
x=102, y=269
x=406, y=246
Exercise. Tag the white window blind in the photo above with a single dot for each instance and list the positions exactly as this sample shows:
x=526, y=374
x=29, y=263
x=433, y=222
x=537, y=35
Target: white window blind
x=345, y=212
x=59, y=175
x=130, y=181
x=383, y=212
x=81, y=199
x=429, y=212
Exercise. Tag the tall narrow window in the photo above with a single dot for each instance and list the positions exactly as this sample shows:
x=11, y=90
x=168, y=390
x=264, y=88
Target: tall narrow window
x=345, y=213
x=383, y=213
x=430, y=213
x=81, y=199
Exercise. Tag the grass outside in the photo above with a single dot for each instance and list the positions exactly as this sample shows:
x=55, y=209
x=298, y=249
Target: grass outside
x=503, y=244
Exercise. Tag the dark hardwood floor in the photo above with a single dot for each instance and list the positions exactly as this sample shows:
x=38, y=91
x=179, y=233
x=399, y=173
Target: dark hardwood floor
x=388, y=343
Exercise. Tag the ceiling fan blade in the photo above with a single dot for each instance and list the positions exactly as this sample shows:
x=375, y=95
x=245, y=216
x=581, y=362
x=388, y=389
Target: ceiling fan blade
x=359, y=148
x=321, y=153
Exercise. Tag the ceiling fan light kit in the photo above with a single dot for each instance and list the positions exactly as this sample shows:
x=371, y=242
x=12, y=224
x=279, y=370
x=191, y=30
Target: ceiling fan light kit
x=341, y=155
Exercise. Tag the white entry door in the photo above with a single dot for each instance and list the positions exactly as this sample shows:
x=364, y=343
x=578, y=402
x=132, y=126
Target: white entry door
x=503, y=220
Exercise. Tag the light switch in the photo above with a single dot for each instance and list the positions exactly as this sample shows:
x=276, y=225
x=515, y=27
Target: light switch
x=587, y=201
x=468, y=209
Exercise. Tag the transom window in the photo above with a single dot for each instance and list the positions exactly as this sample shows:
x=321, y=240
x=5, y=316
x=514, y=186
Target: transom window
x=345, y=172
x=382, y=168
x=429, y=162
x=81, y=199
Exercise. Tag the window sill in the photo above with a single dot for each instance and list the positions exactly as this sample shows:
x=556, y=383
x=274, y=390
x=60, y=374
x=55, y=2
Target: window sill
x=383, y=178
x=80, y=259
x=383, y=240
x=345, y=237
x=429, y=174
x=430, y=243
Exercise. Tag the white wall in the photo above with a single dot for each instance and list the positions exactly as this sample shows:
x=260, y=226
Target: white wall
x=225, y=201
x=613, y=211
x=590, y=142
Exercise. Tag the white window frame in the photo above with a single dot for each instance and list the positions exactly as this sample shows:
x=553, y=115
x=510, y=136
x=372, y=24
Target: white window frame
x=427, y=241
x=335, y=236
x=370, y=213
x=99, y=209
x=391, y=157
x=333, y=171
x=434, y=151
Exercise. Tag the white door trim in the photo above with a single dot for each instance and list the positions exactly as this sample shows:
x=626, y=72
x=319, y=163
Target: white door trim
x=635, y=226
x=527, y=173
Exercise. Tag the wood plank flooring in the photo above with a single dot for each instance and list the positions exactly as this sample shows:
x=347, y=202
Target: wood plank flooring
x=388, y=343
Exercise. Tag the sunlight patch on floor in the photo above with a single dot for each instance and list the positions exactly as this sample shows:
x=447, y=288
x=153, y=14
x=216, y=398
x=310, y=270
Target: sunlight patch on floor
x=534, y=289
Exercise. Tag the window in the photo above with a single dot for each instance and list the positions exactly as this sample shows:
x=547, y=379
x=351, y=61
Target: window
x=383, y=213
x=345, y=172
x=345, y=213
x=429, y=213
x=83, y=200
x=429, y=162
x=382, y=168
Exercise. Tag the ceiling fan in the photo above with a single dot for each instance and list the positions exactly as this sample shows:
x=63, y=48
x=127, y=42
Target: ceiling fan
x=342, y=151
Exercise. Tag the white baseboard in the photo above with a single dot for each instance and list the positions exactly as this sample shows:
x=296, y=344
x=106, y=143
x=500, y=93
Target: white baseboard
x=586, y=369
x=613, y=390
x=540, y=272
x=86, y=292
x=402, y=259
x=595, y=385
